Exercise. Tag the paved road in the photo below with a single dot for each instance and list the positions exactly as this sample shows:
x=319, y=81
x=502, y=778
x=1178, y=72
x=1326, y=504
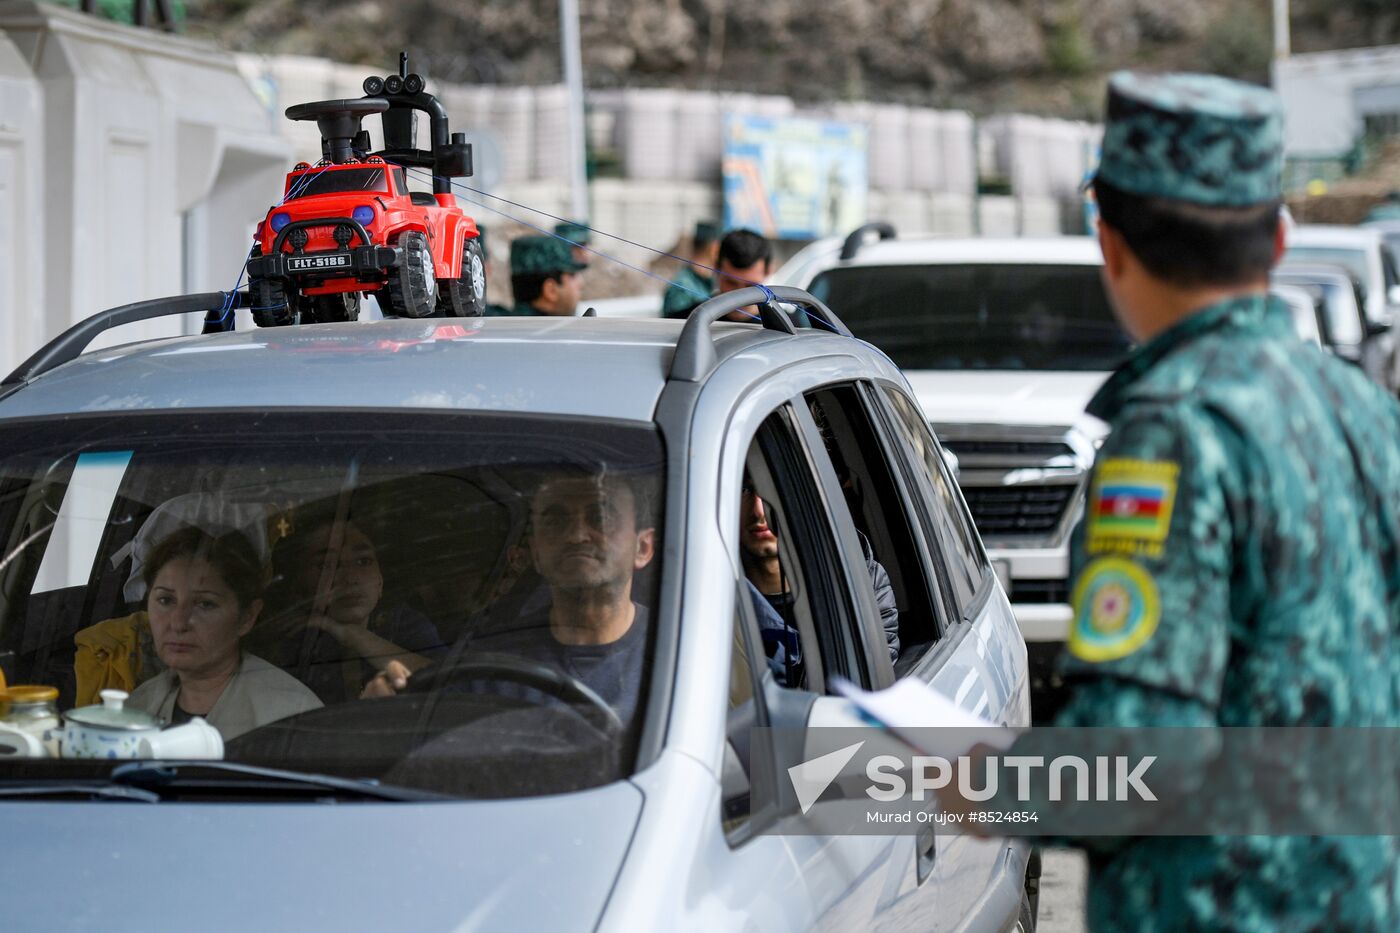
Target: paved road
x=1062, y=877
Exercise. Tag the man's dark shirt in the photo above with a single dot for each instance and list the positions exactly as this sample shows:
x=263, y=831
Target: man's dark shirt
x=614, y=671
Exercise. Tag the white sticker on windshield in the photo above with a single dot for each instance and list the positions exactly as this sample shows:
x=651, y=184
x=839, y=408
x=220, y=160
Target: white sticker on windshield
x=82, y=517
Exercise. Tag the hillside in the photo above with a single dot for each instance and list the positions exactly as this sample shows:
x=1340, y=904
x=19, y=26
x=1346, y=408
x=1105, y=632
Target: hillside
x=1039, y=56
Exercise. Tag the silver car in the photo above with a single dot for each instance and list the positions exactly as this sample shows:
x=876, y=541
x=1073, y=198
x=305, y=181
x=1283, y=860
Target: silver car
x=540, y=521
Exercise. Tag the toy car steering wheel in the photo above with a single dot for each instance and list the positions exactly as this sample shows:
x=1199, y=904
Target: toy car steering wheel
x=358, y=107
x=542, y=677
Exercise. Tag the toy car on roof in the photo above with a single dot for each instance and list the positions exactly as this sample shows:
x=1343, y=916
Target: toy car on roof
x=349, y=225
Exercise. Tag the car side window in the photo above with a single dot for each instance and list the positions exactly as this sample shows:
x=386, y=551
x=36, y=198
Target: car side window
x=900, y=563
x=963, y=556
x=792, y=562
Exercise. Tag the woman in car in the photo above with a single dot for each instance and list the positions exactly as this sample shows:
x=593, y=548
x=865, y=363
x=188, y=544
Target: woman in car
x=203, y=594
x=333, y=632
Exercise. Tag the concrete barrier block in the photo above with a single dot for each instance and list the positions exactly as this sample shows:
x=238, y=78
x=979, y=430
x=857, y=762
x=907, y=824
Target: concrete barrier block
x=1039, y=216
x=997, y=216
x=951, y=215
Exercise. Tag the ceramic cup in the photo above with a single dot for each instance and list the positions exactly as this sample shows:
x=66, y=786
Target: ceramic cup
x=195, y=739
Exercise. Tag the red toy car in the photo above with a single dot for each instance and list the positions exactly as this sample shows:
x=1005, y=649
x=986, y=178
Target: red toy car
x=349, y=225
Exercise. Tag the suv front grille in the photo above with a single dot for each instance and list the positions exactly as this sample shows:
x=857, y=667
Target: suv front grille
x=1018, y=510
x=974, y=447
x=1040, y=591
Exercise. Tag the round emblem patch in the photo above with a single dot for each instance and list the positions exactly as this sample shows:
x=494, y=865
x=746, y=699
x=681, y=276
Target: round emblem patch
x=1116, y=610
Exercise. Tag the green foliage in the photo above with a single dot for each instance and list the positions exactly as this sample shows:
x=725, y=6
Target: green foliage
x=1069, y=50
x=1239, y=44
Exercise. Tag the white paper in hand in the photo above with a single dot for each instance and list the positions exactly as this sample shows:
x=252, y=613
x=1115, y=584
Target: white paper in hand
x=925, y=719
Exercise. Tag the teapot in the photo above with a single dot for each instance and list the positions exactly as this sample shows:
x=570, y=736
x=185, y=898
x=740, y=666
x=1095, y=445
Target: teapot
x=108, y=730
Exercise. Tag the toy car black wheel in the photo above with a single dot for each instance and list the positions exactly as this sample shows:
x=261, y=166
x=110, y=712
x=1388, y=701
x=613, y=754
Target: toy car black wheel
x=411, y=289
x=465, y=296
x=327, y=309
x=273, y=305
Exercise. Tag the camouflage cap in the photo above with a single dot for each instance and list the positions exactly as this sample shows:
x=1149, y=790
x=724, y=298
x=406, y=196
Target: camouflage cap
x=1191, y=137
x=542, y=255
x=575, y=233
x=706, y=231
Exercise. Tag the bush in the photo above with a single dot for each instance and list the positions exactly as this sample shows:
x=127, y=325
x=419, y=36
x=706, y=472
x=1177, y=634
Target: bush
x=1239, y=43
x=1069, y=50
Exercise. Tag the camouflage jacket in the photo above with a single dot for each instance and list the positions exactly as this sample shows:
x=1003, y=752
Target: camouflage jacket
x=687, y=290
x=1239, y=565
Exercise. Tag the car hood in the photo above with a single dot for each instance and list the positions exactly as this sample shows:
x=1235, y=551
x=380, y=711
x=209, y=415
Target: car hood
x=1005, y=396
x=545, y=863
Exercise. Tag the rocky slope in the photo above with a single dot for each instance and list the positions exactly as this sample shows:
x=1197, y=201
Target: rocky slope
x=1046, y=56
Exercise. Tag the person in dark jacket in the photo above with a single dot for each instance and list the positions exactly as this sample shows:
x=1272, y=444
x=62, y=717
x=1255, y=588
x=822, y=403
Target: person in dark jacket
x=759, y=554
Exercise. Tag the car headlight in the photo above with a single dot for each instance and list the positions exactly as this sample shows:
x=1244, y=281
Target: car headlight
x=279, y=221
x=363, y=214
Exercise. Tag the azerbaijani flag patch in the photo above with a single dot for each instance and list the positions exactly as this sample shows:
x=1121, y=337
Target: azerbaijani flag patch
x=1130, y=507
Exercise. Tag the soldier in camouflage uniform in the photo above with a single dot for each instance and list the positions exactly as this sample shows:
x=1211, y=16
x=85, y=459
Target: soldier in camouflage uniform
x=692, y=286
x=578, y=234
x=1239, y=559
x=544, y=277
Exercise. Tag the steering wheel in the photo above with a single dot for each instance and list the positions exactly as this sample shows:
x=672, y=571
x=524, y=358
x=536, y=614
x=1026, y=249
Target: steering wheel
x=541, y=677
x=356, y=107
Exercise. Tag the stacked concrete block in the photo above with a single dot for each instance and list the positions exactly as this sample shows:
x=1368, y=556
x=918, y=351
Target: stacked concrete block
x=1042, y=158
x=952, y=215
x=552, y=152
x=958, y=140
x=998, y=216
x=889, y=147
x=511, y=117
x=699, y=137
x=909, y=211
x=926, y=169
x=649, y=134
x=1039, y=216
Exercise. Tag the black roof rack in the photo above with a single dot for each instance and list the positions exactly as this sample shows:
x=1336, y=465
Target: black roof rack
x=695, y=350
x=72, y=342
x=857, y=238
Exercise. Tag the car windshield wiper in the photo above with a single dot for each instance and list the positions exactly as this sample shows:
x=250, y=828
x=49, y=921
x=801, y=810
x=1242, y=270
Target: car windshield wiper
x=74, y=790
x=194, y=775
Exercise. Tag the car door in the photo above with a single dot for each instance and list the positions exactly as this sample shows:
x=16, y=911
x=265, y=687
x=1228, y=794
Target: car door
x=845, y=880
x=979, y=662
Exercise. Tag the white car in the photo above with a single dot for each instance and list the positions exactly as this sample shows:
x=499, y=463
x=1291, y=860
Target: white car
x=1362, y=253
x=482, y=474
x=1004, y=342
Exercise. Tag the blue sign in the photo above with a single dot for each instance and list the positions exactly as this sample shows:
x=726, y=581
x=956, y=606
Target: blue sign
x=793, y=178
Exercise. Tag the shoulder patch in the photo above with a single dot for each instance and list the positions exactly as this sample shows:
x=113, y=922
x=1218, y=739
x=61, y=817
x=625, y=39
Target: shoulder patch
x=1130, y=506
x=1116, y=610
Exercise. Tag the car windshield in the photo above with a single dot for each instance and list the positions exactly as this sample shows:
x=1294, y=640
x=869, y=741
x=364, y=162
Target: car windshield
x=335, y=181
x=1341, y=316
x=979, y=316
x=262, y=569
x=1352, y=260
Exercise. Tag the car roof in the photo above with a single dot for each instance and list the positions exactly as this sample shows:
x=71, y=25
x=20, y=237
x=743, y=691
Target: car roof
x=1333, y=235
x=825, y=254
x=590, y=367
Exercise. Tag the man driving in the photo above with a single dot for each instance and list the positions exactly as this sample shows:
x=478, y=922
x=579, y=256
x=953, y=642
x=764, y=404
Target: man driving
x=589, y=535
